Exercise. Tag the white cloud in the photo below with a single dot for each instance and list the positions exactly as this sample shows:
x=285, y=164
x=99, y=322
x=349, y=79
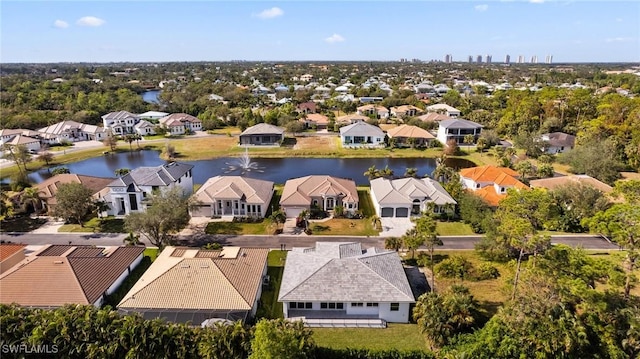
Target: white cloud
x=536, y=1
x=270, y=13
x=60, y=24
x=482, y=7
x=90, y=21
x=334, y=38
x=619, y=39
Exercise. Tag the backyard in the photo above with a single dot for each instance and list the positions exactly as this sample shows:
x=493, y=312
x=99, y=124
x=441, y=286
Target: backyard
x=269, y=306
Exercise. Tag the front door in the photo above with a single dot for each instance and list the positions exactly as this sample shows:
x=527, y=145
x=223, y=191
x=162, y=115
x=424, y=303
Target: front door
x=330, y=203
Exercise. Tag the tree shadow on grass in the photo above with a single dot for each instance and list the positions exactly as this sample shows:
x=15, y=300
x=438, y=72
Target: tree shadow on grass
x=289, y=142
x=21, y=224
x=320, y=228
x=223, y=228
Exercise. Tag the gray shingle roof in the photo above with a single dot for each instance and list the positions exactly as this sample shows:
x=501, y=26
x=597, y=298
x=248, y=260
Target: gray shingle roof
x=263, y=129
x=459, y=123
x=405, y=190
x=361, y=128
x=339, y=271
x=153, y=176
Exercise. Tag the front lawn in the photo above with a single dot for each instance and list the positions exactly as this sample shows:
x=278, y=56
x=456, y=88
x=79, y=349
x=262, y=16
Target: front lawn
x=395, y=336
x=344, y=227
x=21, y=224
x=95, y=225
x=237, y=228
x=453, y=229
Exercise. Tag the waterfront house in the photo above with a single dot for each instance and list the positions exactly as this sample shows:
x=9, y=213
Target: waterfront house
x=361, y=134
x=73, y=131
x=48, y=188
x=120, y=122
x=322, y=192
x=233, y=196
x=457, y=129
x=181, y=123
x=404, y=197
x=406, y=135
x=262, y=134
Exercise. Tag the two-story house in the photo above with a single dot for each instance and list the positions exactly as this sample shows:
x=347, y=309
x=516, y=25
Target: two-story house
x=181, y=123
x=490, y=182
x=361, y=134
x=121, y=122
x=457, y=129
x=127, y=193
x=375, y=110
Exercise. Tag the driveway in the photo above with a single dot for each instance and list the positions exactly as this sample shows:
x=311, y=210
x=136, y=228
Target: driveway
x=395, y=227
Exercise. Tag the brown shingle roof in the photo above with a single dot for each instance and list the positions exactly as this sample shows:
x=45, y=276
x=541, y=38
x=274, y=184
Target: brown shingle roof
x=554, y=182
x=49, y=187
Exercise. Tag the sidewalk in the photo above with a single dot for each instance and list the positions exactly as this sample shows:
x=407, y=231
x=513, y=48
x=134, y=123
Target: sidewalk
x=51, y=227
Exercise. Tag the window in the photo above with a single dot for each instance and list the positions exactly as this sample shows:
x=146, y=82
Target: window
x=372, y=304
x=308, y=305
x=323, y=305
x=477, y=185
x=340, y=305
x=394, y=307
x=332, y=305
x=357, y=304
x=503, y=190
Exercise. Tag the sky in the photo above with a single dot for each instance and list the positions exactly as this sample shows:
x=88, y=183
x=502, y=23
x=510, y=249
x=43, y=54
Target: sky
x=299, y=30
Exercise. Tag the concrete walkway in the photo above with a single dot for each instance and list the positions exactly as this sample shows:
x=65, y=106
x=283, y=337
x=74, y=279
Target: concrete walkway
x=51, y=227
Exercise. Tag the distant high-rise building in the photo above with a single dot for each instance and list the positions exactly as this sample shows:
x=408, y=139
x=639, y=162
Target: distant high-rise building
x=470, y=59
x=548, y=59
x=534, y=59
x=488, y=59
x=447, y=58
x=507, y=59
x=521, y=59
x=403, y=59
x=479, y=59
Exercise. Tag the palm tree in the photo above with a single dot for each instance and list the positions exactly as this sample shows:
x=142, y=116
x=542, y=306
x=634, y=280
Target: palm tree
x=386, y=172
x=305, y=218
x=121, y=172
x=372, y=172
x=426, y=230
x=278, y=217
x=411, y=172
x=394, y=243
x=31, y=195
x=131, y=239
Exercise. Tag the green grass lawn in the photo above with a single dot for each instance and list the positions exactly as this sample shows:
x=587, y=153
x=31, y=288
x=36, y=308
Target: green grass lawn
x=21, y=224
x=396, y=336
x=152, y=253
x=270, y=307
x=237, y=228
x=344, y=226
x=365, y=203
x=94, y=225
x=453, y=229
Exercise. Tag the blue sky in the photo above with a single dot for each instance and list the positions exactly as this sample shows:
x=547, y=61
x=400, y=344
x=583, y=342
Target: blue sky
x=111, y=31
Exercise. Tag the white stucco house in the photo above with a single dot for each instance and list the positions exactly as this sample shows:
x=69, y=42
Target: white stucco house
x=126, y=194
x=233, y=196
x=361, y=134
x=317, y=191
x=444, y=109
x=410, y=196
x=341, y=280
x=120, y=122
x=557, y=142
x=180, y=123
x=145, y=128
x=457, y=129
x=72, y=131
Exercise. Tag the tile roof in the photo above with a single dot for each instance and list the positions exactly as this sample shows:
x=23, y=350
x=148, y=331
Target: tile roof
x=22, y=140
x=7, y=250
x=298, y=191
x=317, y=118
x=263, y=129
x=253, y=191
x=49, y=187
x=459, y=123
x=162, y=175
x=351, y=118
x=499, y=175
x=442, y=107
x=119, y=115
x=409, y=132
x=339, y=271
x=405, y=190
x=59, y=275
x=227, y=280
x=178, y=117
x=555, y=182
x=361, y=128
x=433, y=116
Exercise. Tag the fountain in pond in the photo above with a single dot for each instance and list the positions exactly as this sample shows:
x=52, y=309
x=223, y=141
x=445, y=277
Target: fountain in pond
x=243, y=165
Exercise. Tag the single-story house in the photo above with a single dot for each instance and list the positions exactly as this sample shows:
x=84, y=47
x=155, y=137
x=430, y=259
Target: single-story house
x=233, y=196
x=405, y=110
x=457, y=129
x=557, y=142
x=7, y=134
x=351, y=119
x=433, y=117
x=125, y=194
x=319, y=121
x=145, y=128
x=180, y=123
x=406, y=135
x=323, y=192
x=370, y=109
x=10, y=255
x=193, y=285
x=48, y=188
x=307, y=107
x=153, y=115
x=74, y=131
x=555, y=182
x=445, y=109
x=341, y=280
x=410, y=196
x=32, y=144
x=490, y=182
x=361, y=134
x=68, y=274
x=262, y=134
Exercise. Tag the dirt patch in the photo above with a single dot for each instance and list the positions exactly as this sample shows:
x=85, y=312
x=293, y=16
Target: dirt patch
x=315, y=142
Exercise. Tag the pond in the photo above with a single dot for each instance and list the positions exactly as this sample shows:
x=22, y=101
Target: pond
x=278, y=170
x=151, y=96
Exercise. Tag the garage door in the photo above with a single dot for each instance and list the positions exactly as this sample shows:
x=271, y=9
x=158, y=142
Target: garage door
x=201, y=211
x=402, y=212
x=293, y=212
x=386, y=212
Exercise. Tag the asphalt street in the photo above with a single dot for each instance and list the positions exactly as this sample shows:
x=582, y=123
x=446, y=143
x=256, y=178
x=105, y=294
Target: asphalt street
x=591, y=242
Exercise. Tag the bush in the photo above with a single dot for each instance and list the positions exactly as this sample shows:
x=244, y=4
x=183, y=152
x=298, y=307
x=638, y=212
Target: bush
x=487, y=271
x=455, y=267
x=349, y=353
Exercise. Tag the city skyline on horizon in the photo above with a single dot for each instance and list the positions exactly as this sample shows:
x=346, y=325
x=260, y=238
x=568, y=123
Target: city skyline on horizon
x=209, y=31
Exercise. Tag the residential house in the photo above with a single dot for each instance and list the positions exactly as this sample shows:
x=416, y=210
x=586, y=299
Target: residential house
x=262, y=134
x=433, y=117
x=48, y=188
x=557, y=142
x=307, y=107
x=410, y=196
x=152, y=115
x=351, y=119
x=193, y=285
x=125, y=194
x=233, y=196
x=373, y=110
x=406, y=135
x=145, y=128
x=315, y=120
x=490, y=182
x=444, y=109
x=405, y=110
x=57, y=275
x=341, y=280
x=10, y=255
x=120, y=122
x=74, y=131
x=322, y=192
x=181, y=123
x=457, y=129
x=7, y=135
x=555, y=182
x=361, y=134
x=32, y=144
